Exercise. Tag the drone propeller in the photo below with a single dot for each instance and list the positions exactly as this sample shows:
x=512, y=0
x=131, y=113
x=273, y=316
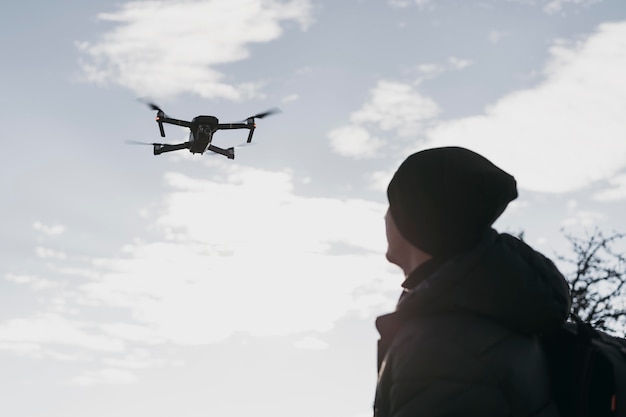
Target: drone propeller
x=150, y=104
x=264, y=114
x=136, y=142
x=159, y=116
x=153, y=106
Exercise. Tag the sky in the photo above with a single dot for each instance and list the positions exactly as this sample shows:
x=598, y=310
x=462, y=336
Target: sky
x=193, y=285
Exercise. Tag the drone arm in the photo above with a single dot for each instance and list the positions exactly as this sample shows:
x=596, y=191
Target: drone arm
x=249, y=124
x=159, y=148
x=174, y=122
x=226, y=126
x=250, y=135
x=164, y=119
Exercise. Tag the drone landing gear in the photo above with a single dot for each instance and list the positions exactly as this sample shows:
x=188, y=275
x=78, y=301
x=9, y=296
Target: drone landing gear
x=160, y=148
x=229, y=153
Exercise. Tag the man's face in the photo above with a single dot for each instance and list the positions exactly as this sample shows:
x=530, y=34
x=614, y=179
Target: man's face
x=400, y=251
x=395, y=241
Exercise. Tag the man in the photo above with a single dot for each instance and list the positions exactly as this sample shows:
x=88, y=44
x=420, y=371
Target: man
x=463, y=338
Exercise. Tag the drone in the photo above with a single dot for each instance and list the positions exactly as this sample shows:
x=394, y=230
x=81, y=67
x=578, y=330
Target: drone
x=201, y=132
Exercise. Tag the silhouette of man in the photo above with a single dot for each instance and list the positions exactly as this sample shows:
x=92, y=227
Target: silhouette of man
x=463, y=338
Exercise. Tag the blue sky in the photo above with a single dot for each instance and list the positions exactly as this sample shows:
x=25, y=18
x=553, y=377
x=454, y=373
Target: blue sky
x=192, y=285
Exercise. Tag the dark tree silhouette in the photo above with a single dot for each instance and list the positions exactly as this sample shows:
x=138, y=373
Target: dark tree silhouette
x=597, y=277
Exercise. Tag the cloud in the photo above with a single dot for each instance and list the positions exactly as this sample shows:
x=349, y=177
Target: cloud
x=407, y=3
x=290, y=98
x=237, y=252
x=567, y=132
x=496, y=36
x=555, y=6
x=242, y=253
x=53, y=230
x=582, y=218
x=34, y=282
x=396, y=106
x=47, y=328
x=165, y=47
x=459, y=63
x=311, y=342
x=105, y=376
x=428, y=71
x=379, y=180
x=392, y=106
x=47, y=253
x=615, y=192
x=577, y=217
x=548, y=6
x=354, y=141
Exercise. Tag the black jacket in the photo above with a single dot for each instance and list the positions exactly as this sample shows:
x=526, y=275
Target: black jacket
x=463, y=341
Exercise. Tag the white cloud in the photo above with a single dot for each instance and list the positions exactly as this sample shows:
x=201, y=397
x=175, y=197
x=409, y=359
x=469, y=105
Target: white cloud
x=430, y=70
x=139, y=358
x=399, y=3
x=36, y=283
x=239, y=252
x=290, y=98
x=52, y=230
x=47, y=253
x=396, y=106
x=579, y=217
x=242, y=253
x=165, y=47
x=46, y=329
x=555, y=6
x=311, y=342
x=616, y=190
x=406, y=3
x=548, y=6
x=427, y=71
x=583, y=218
x=496, y=36
x=459, y=63
x=354, y=141
x=105, y=376
x=567, y=132
x=571, y=204
x=392, y=106
x=379, y=180
x=517, y=206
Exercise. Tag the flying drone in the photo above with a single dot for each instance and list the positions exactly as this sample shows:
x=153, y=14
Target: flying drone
x=201, y=132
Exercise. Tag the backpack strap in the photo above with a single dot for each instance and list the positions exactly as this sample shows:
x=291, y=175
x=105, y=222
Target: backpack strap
x=598, y=350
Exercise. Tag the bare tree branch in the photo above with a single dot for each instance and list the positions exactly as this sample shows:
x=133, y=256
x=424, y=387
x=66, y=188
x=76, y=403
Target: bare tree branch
x=597, y=278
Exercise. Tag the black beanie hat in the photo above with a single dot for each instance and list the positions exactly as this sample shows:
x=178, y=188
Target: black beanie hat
x=444, y=199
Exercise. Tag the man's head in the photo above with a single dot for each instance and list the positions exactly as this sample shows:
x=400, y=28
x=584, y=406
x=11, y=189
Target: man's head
x=442, y=200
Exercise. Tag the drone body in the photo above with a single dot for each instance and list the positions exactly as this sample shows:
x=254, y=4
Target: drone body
x=201, y=132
